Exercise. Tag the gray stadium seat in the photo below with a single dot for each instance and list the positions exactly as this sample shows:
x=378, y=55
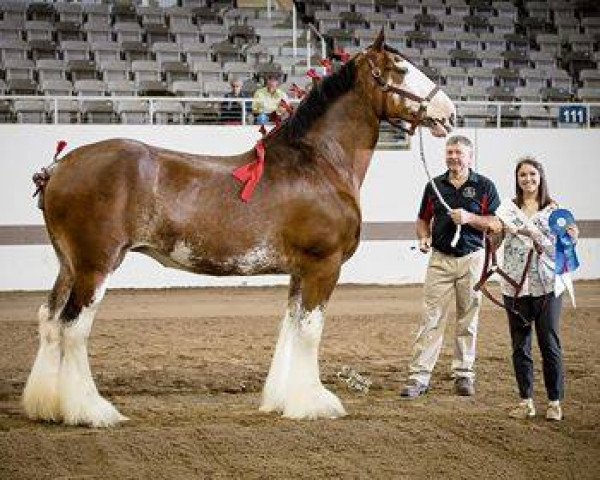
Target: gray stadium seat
x=13, y=49
x=89, y=88
x=534, y=78
x=238, y=69
x=21, y=87
x=18, y=69
x=121, y=88
x=490, y=59
x=38, y=30
x=536, y=116
x=168, y=112
x=82, y=70
x=68, y=111
x=215, y=88
x=98, y=111
x=97, y=12
x=455, y=76
x=186, y=88
x=481, y=77
x=30, y=111
x=151, y=15
x=57, y=87
x=145, y=70
x=185, y=33
x=589, y=94
x=174, y=71
x=69, y=12
x=166, y=52
x=132, y=111
x=104, y=50
x=115, y=70
x=208, y=71
x=213, y=33
x=127, y=32
x=97, y=31
x=590, y=78
x=75, y=50
x=11, y=29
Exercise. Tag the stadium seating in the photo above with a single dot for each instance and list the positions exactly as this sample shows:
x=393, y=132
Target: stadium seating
x=517, y=51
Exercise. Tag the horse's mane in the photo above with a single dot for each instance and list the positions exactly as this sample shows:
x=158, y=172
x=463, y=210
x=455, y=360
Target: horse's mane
x=321, y=96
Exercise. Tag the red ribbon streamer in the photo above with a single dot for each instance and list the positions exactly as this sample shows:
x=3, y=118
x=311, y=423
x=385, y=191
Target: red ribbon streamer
x=251, y=173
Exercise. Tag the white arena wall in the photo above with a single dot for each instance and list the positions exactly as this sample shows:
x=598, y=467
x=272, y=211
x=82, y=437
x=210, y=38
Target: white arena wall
x=390, y=196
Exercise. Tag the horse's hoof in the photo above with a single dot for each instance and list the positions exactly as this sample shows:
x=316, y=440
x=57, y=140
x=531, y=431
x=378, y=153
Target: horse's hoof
x=313, y=403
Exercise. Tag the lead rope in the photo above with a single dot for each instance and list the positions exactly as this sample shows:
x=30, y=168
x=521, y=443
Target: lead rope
x=456, y=237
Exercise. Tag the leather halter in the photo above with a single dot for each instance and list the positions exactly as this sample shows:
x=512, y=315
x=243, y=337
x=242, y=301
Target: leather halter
x=388, y=87
x=489, y=270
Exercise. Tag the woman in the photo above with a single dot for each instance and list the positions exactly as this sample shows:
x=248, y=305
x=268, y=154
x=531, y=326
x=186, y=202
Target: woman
x=529, y=255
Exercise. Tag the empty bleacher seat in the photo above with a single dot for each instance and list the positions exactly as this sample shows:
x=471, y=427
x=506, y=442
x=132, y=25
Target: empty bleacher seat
x=208, y=71
x=455, y=76
x=63, y=111
x=185, y=33
x=11, y=29
x=21, y=86
x=591, y=25
x=151, y=15
x=106, y=51
x=445, y=40
x=256, y=54
x=437, y=57
x=215, y=88
x=589, y=94
x=227, y=52
x=549, y=42
x=196, y=52
x=176, y=71
x=534, y=78
x=68, y=31
x=168, y=112
x=56, y=87
x=82, y=70
x=98, y=12
x=553, y=94
x=501, y=25
x=69, y=12
x=97, y=31
x=30, y=111
x=528, y=94
x=13, y=49
x=590, y=78
x=157, y=33
x=51, y=69
x=14, y=11
x=490, y=59
x=75, y=50
x=115, y=70
x=186, y=88
x=559, y=78
x=151, y=88
x=42, y=49
x=17, y=69
x=98, y=111
x=89, y=88
x=463, y=58
x=501, y=94
x=135, y=51
x=542, y=60
x=127, y=32
x=166, y=52
x=144, y=70
x=212, y=33
x=132, y=111
x=536, y=116
x=178, y=16
x=473, y=115
x=38, y=30
x=124, y=13
x=121, y=88
x=516, y=59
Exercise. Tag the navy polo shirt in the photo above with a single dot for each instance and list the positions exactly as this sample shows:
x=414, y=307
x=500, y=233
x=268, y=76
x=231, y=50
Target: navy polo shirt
x=477, y=195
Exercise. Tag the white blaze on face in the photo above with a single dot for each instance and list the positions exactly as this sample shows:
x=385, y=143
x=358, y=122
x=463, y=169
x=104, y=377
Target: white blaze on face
x=416, y=82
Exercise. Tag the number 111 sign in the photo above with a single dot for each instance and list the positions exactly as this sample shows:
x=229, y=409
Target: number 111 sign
x=574, y=114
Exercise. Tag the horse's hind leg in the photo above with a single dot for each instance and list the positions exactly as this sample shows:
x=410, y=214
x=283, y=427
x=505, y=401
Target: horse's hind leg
x=80, y=402
x=293, y=385
x=40, y=396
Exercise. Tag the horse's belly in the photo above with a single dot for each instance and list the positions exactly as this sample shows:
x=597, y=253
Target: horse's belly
x=259, y=259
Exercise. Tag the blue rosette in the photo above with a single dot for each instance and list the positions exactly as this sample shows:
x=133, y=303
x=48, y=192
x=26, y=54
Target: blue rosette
x=566, y=256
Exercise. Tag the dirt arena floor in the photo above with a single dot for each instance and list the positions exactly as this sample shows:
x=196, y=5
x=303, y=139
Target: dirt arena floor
x=187, y=367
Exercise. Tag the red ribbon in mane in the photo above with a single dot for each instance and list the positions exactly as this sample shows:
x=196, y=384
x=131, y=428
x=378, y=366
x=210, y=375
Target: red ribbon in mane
x=251, y=173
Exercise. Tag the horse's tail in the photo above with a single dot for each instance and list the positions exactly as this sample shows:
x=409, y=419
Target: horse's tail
x=41, y=178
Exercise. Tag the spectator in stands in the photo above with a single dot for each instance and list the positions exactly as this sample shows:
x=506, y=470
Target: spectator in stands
x=452, y=270
x=267, y=99
x=540, y=299
x=231, y=112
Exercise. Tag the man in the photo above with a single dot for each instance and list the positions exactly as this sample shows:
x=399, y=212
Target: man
x=231, y=112
x=267, y=100
x=452, y=270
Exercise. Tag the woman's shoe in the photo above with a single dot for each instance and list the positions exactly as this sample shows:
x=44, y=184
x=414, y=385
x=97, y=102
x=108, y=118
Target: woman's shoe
x=525, y=409
x=554, y=411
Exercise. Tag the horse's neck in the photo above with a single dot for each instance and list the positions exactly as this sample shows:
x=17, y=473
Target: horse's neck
x=355, y=129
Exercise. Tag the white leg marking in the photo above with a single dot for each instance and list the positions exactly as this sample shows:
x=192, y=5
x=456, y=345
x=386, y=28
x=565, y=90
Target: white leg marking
x=40, y=397
x=80, y=402
x=293, y=385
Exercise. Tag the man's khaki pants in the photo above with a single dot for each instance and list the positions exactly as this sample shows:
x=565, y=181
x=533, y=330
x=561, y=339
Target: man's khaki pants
x=447, y=275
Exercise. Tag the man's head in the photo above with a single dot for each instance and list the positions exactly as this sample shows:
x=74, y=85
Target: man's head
x=236, y=85
x=272, y=82
x=459, y=154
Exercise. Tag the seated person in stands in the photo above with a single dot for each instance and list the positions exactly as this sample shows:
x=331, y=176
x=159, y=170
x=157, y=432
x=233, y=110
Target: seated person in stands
x=231, y=112
x=266, y=100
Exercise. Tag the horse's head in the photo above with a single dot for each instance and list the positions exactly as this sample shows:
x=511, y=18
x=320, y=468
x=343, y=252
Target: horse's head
x=400, y=92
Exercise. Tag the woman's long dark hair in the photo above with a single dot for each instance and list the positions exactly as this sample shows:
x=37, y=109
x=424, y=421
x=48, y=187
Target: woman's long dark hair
x=543, y=196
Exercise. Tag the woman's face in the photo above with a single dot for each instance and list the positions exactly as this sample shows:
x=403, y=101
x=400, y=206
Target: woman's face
x=528, y=178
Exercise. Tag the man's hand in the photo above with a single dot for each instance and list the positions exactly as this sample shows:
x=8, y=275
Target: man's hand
x=460, y=216
x=425, y=244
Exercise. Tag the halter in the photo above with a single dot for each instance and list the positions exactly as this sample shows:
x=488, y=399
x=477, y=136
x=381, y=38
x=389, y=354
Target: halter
x=388, y=87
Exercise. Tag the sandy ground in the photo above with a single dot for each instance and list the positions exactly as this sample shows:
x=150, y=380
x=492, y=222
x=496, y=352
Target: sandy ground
x=187, y=367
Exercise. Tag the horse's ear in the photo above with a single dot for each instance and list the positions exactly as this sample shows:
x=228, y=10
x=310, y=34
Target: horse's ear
x=379, y=41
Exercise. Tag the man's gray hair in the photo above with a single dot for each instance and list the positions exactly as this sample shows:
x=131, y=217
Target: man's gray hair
x=460, y=139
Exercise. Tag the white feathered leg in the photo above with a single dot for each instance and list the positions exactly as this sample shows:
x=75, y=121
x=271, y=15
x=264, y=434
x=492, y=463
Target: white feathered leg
x=80, y=402
x=293, y=385
x=40, y=397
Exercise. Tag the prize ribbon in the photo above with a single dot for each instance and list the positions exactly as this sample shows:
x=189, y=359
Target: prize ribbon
x=566, y=257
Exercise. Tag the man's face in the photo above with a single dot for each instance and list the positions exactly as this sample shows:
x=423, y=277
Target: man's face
x=458, y=158
x=236, y=87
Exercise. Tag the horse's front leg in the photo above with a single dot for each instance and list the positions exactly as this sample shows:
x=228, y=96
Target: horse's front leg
x=293, y=385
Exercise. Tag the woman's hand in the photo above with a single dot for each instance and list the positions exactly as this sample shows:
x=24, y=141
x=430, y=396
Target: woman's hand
x=573, y=232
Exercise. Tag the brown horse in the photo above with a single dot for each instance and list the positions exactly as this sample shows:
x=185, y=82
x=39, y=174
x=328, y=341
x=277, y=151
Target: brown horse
x=106, y=199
